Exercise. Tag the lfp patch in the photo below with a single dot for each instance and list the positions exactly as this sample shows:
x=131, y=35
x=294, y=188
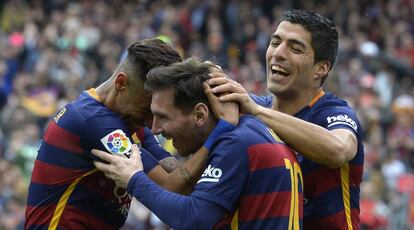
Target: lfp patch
x=117, y=143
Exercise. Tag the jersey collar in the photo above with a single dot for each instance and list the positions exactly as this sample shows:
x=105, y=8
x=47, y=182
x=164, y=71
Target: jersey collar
x=92, y=93
x=316, y=98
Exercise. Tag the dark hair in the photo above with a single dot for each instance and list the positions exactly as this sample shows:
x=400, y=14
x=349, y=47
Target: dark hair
x=324, y=36
x=146, y=54
x=186, y=78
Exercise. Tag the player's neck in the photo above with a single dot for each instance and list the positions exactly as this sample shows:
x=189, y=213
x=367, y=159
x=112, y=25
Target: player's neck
x=104, y=93
x=208, y=128
x=293, y=104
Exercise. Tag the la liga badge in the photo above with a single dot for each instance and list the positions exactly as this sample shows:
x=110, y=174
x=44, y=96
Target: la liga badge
x=117, y=143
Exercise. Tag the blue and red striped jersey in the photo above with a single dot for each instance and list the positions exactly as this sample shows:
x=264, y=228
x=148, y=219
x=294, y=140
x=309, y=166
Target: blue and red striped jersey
x=66, y=191
x=255, y=177
x=331, y=196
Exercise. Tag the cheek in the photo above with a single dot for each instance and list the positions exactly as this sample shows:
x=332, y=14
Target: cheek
x=269, y=52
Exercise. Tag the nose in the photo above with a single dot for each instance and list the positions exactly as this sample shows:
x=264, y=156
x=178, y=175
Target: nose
x=279, y=52
x=148, y=122
x=155, y=127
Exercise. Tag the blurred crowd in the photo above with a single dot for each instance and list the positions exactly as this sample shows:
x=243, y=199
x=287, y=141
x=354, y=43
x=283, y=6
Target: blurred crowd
x=51, y=50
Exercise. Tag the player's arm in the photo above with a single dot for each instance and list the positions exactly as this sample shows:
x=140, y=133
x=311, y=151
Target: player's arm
x=151, y=144
x=202, y=208
x=177, y=211
x=183, y=178
x=331, y=148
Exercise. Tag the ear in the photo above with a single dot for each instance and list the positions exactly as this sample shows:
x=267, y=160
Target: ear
x=121, y=81
x=322, y=69
x=200, y=113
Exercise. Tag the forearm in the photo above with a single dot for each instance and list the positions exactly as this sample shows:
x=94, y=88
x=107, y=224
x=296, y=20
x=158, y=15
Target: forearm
x=312, y=141
x=186, y=175
x=177, y=211
x=183, y=178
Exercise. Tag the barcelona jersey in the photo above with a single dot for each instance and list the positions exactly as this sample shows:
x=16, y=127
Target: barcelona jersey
x=331, y=196
x=66, y=190
x=255, y=177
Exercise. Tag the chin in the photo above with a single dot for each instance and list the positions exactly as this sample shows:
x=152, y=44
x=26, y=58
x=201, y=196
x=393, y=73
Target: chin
x=186, y=152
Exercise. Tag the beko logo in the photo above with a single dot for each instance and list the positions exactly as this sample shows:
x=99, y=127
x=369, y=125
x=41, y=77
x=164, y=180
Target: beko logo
x=342, y=119
x=211, y=174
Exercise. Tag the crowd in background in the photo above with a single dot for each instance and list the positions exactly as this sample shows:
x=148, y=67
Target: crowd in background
x=51, y=50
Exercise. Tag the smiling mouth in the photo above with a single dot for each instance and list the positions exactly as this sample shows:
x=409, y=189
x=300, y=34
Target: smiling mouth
x=277, y=70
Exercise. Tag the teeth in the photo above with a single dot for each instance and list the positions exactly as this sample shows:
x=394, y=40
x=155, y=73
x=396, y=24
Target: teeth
x=279, y=69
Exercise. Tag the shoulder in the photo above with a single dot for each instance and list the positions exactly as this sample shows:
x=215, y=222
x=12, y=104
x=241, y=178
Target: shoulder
x=249, y=131
x=265, y=101
x=333, y=112
x=86, y=116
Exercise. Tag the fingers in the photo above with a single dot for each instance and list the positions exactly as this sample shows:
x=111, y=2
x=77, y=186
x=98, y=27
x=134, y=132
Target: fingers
x=105, y=168
x=102, y=155
x=101, y=166
x=212, y=99
x=218, y=79
x=207, y=89
x=135, y=152
x=233, y=97
x=227, y=88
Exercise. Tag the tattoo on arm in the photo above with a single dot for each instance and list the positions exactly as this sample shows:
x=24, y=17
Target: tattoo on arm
x=185, y=174
x=169, y=164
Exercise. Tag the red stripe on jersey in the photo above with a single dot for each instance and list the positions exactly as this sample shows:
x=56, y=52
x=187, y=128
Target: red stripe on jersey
x=59, y=137
x=263, y=156
x=140, y=134
x=40, y=215
x=331, y=179
x=99, y=184
x=73, y=218
x=333, y=222
x=275, y=204
x=355, y=174
x=44, y=173
x=223, y=223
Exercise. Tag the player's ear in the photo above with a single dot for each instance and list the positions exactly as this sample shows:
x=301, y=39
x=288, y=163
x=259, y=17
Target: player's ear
x=200, y=113
x=321, y=69
x=121, y=81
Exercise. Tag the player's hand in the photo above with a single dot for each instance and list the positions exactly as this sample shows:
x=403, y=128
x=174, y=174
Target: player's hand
x=119, y=169
x=224, y=84
x=228, y=111
x=232, y=91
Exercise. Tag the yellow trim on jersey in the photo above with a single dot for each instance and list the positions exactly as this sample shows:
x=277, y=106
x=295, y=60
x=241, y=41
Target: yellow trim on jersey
x=294, y=171
x=136, y=139
x=235, y=221
x=316, y=98
x=277, y=139
x=92, y=93
x=64, y=199
x=346, y=194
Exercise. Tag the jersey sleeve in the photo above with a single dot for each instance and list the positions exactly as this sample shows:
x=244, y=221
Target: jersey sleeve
x=151, y=144
x=339, y=118
x=223, y=180
x=194, y=213
x=108, y=133
x=265, y=101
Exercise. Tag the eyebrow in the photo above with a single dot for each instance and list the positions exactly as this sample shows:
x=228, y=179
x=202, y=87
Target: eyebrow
x=160, y=114
x=290, y=40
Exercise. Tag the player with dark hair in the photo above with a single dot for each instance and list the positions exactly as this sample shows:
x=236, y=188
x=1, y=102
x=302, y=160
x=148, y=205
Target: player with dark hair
x=66, y=190
x=252, y=180
x=316, y=124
